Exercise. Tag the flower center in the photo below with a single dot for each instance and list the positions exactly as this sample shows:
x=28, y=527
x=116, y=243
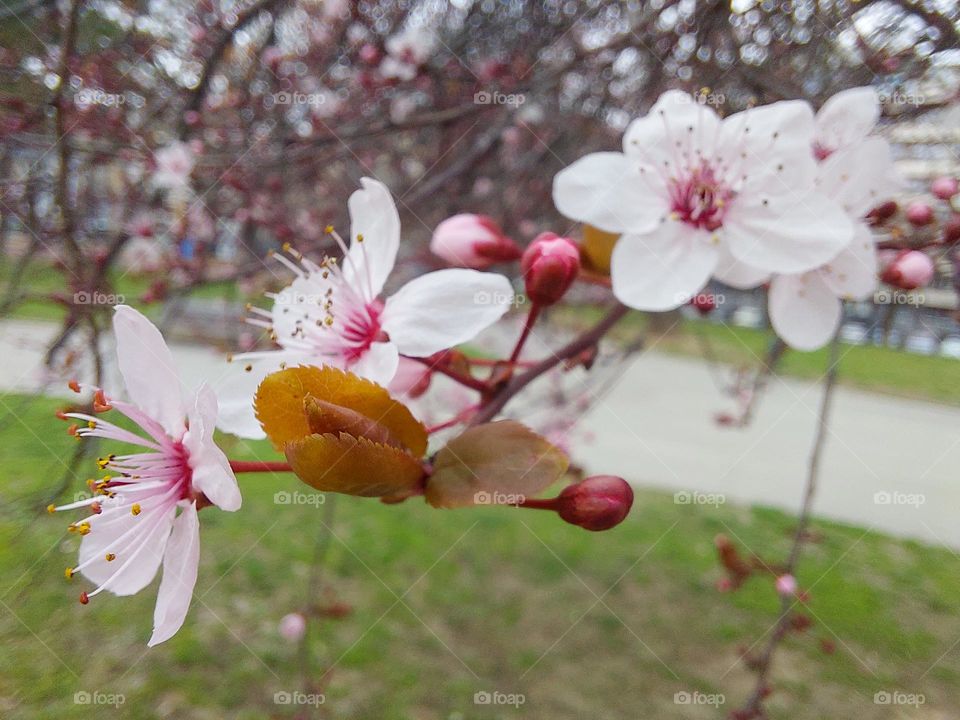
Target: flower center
x=361, y=328
x=700, y=198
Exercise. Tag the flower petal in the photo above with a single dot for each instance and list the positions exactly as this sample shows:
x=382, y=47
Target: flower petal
x=379, y=363
x=772, y=147
x=180, y=565
x=676, y=127
x=373, y=216
x=608, y=191
x=148, y=369
x=790, y=234
x=662, y=269
x=847, y=118
x=442, y=309
x=736, y=274
x=852, y=274
x=120, y=576
x=211, y=470
x=803, y=310
x=860, y=177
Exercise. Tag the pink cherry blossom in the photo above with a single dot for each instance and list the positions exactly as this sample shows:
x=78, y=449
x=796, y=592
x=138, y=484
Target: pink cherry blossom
x=174, y=164
x=333, y=314
x=690, y=189
x=909, y=270
x=134, y=523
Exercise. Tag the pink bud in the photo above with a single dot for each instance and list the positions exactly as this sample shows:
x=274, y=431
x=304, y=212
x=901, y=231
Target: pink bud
x=550, y=265
x=597, y=503
x=292, y=626
x=786, y=586
x=473, y=241
x=909, y=270
x=919, y=213
x=412, y=379
x=370, y=54
x=944, y=187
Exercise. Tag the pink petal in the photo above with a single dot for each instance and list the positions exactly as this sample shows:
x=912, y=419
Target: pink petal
x=373, y=216
x=211, y=470
x=803, y=310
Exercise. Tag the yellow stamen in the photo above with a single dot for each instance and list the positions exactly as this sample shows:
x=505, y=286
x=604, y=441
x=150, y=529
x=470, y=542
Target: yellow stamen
x=68, y=573
x=51, y=508
x=111, y=557
x=135, y=509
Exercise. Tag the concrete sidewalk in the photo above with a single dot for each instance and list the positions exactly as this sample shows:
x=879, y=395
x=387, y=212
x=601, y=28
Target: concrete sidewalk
x=890, y=464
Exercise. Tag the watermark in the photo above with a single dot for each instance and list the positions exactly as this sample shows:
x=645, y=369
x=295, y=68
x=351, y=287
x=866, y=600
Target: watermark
x=96, y=297
x=702, y=299
x=97, y=697
x=295, y=98
x=898, y=297
x=483, y=697
x=901, y=98
x=899, y=498
x=483, y=297
x=283, y=697
x=282, y=497
x=498, y=98
x=498, y=498
x=90, y=96
x=685, y=497
x=292, y=297
x=704, y=96
x=698, y=698
x=885, y=697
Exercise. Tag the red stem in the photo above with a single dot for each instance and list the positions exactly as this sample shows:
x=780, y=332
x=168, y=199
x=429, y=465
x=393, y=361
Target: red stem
x=527, y=327
x=540, y=503
x=458, y=418
x=240, y=466
x=465, y=380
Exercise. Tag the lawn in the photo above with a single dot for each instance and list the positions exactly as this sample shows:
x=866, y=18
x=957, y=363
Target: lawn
x=446, y=604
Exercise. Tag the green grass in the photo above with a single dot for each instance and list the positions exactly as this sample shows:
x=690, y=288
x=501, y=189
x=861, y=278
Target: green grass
x=449, y=603
x=878, y=369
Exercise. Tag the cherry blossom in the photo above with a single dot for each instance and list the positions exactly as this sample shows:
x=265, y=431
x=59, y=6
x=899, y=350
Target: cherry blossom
x=334, y=315
x=474, y=241
x=690, y=189
x=174, y=164
x=134, y=523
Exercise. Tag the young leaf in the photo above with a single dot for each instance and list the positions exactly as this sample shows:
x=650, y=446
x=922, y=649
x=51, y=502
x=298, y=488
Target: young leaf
x=355, y=466
x=499, y=459
x=283, y=398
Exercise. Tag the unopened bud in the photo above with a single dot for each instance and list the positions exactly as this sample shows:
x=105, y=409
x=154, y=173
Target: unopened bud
x=909, y=270
x=951, y=230
x=292, y=626
x=550, y=265
x=919, y=213
x=944, y=187
x=597, y=503
x=473, y=241
x=882, y=212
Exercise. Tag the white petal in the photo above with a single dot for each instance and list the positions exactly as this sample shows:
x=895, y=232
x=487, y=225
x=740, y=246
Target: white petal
x=148, y=370
x=442, y=309
x=791, y=234
x=847, y=118
x=662, y=269
x=803, y=310
x=211, y=470
x=607, y=190
x=771, y=146
x=379, y=363
x=853, y=273
x=373, y=216
x=237, y=387
x=179, y=576
x=860, y=177
x=734, y=273
x=677, y=125
x=117, y=576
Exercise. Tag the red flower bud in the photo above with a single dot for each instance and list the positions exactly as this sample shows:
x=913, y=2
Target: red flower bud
x=550, y=265
x=597, y=503
x=909, y=270
x=951, y=230
x=882, y=212
x=919, y=213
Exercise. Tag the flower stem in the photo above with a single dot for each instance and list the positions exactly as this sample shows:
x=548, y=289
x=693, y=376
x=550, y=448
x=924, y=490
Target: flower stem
x=465, y=380
x=527, y=327
x=241, y=466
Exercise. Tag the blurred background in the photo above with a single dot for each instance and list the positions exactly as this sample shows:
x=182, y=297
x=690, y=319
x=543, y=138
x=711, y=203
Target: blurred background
x=281, y=107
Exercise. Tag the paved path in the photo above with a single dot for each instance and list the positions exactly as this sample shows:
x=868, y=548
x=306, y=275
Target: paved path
x=890, y=464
